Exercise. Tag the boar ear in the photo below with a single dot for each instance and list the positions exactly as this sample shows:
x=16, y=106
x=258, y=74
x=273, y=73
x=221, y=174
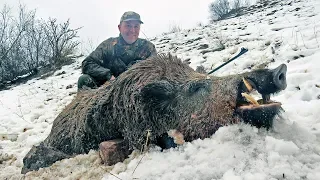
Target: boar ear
x=158, y=91
x=198, y=86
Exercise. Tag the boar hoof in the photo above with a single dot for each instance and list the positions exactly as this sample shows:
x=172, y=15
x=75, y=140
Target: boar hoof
x=41, y=156
x=166, y=142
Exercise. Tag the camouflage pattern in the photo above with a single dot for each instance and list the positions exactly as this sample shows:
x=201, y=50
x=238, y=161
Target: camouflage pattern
x=129, y=16
x=114, y=56
x=86, y=81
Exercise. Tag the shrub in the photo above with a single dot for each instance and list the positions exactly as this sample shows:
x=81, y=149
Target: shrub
x=27, y=44
x=221, y=9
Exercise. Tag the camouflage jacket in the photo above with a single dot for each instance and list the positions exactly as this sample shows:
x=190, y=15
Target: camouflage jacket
x=113, y=56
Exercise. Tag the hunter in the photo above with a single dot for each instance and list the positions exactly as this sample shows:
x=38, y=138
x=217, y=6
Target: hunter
x=116, y=54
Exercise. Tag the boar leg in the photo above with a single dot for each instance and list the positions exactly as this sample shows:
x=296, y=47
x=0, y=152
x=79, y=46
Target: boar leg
x=166, y=142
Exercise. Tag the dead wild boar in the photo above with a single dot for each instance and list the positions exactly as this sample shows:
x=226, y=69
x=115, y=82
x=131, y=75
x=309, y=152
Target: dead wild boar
x=159, y=94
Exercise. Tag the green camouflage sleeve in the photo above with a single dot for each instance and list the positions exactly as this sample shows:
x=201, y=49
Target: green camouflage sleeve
x=147, y=50
x=153, y=49
x=93, y=64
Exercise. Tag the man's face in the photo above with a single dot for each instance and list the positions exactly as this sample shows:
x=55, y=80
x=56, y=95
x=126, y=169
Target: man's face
x=129, y=30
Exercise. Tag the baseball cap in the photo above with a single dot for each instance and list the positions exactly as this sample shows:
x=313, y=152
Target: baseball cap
x=130, y=15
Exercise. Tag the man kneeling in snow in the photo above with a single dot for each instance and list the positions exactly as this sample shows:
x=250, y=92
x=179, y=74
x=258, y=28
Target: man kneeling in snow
x=115, y=55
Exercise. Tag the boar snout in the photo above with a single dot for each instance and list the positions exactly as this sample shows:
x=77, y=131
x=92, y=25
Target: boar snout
x=279, y=76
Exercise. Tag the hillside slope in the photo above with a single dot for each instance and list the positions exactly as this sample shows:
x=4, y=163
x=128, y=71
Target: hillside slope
x=287, y=32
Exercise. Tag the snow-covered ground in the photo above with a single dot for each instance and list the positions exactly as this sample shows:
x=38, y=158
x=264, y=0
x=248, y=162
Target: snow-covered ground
x=285, y=33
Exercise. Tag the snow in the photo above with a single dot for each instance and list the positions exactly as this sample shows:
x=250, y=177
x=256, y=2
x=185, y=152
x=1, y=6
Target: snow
x=236, y=152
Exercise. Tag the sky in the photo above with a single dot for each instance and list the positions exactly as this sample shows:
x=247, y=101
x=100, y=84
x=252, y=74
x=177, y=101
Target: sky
x=289, y=35
x=100, y=18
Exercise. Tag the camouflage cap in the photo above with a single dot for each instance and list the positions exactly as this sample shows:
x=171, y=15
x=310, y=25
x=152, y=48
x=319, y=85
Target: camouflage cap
x=130, y=15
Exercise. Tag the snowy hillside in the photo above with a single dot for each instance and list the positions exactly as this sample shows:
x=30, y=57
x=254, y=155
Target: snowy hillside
x=288, y=32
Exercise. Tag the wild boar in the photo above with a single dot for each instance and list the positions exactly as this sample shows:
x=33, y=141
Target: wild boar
x=159, y=94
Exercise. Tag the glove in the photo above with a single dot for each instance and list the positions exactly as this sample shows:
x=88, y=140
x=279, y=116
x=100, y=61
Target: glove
x=118, y=67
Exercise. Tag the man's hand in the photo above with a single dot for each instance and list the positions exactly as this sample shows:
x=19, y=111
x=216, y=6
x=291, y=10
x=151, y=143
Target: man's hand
x=112, y=78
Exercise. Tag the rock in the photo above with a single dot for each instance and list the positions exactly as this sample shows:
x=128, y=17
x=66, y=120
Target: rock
x=60, y=73
x=113, y=151
x=69, y=86
x=187, y=61
x=203, y=46
x=220, y=48
x=201, y=69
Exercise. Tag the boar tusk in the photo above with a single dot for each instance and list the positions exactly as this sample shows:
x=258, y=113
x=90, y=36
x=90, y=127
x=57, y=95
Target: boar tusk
x=247, y=84
x=250, y=99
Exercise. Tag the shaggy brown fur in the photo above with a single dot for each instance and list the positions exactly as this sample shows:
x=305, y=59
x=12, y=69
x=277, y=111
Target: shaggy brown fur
x=157, y=94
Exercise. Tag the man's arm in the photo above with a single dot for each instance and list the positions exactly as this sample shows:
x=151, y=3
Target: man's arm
x=153, y=49
x=145, y=51
x=93, y=64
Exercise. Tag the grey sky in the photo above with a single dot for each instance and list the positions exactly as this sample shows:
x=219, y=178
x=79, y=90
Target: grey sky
x=100, y=18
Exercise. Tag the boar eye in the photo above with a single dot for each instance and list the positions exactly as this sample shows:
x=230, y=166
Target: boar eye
x=198, y=86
